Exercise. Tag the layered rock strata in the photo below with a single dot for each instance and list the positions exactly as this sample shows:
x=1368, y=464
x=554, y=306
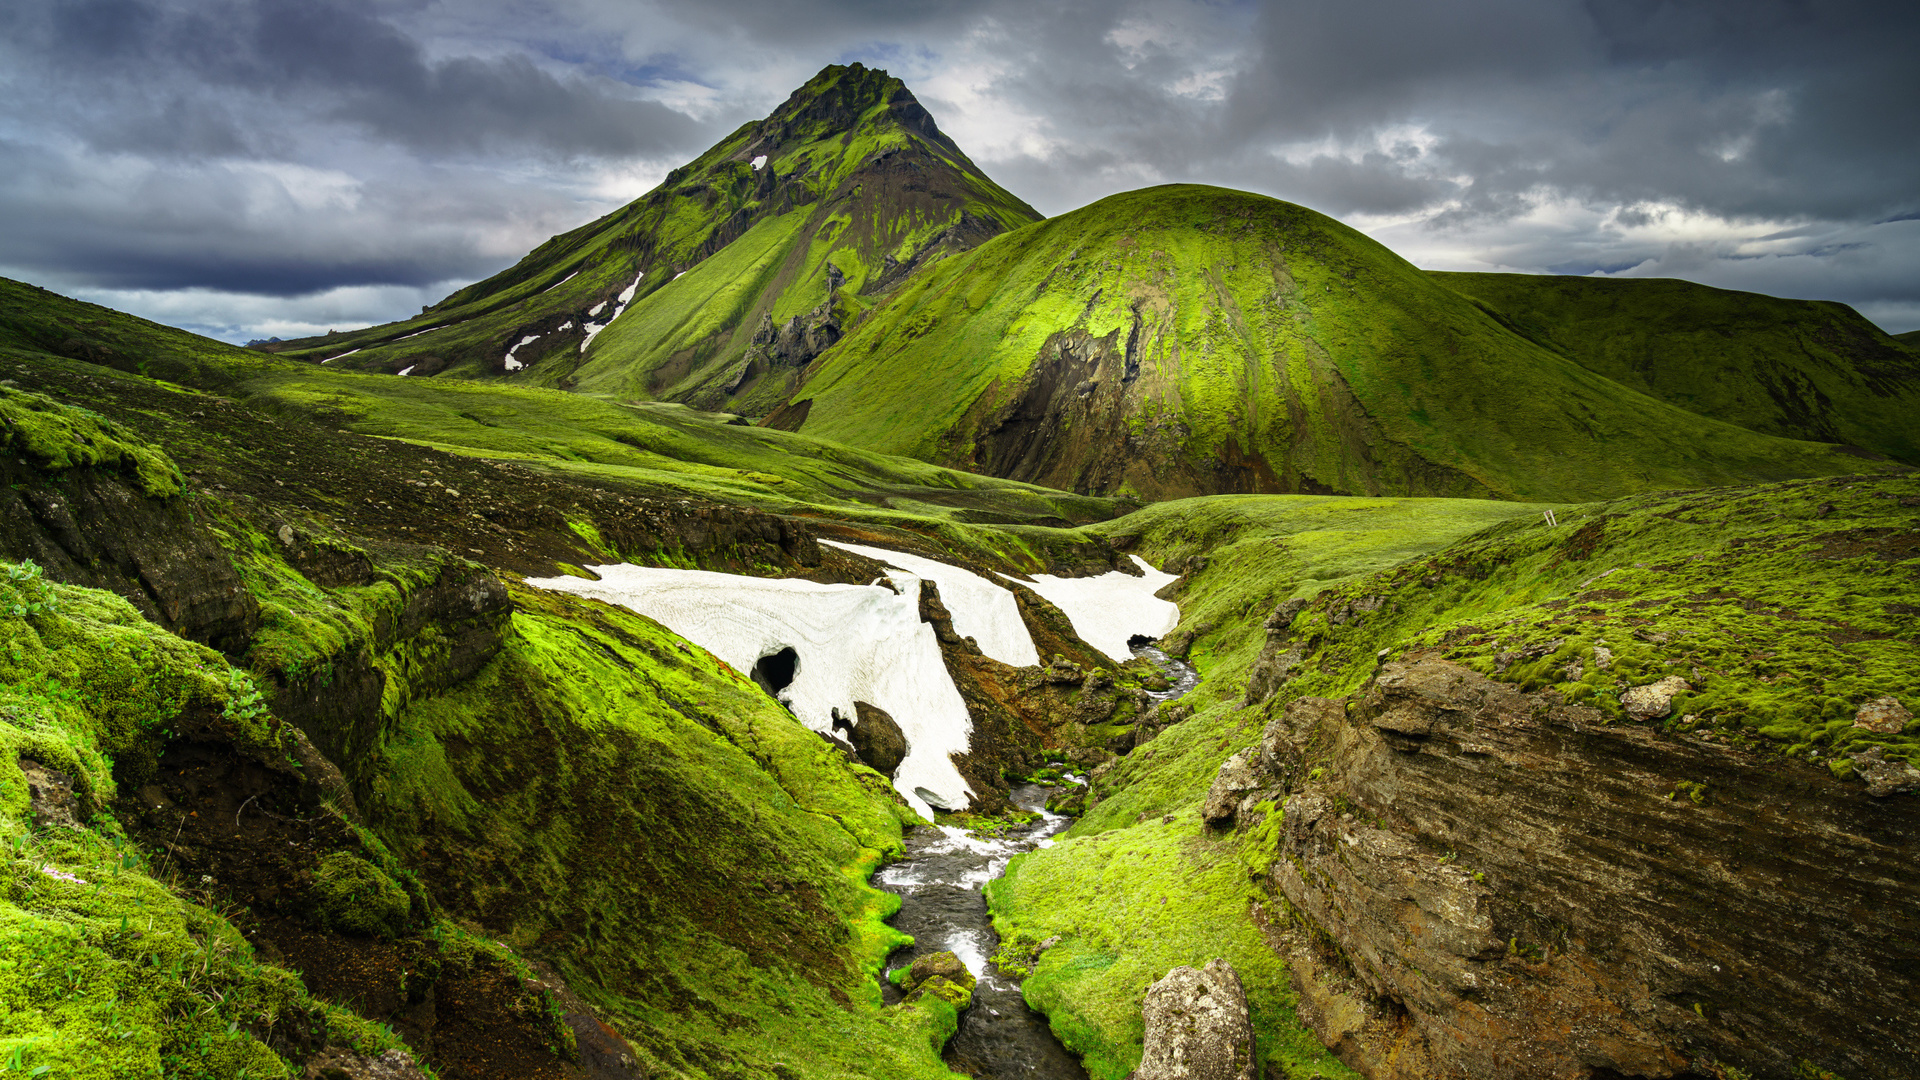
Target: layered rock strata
x=1499, y=885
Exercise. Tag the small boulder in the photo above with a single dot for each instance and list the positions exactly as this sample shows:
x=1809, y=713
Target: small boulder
x=1197, y=1026
x=50, y=796
x=340, y=1063
x=1238, y=775
x=1884, y=777
x=1883, y=715
x=940, y=975
x=878, y=739
x=1654, y=700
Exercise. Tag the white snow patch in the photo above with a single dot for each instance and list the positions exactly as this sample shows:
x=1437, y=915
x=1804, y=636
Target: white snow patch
x=626, y=294
x=620, y=305
x=679, y=275
x=759, y=162
x=515, y=365
x=568, y=325
x=561, y=282
x=428, y=330
x=408, y=370
x=983, y=610
x=331, y=359
x=859, y=642
x=1107, y=610
x=597, y=309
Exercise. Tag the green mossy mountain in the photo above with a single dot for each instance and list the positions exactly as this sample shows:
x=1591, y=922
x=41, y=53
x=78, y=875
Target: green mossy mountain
x=1799, y=369
x=728, y=277
x=1191, y=340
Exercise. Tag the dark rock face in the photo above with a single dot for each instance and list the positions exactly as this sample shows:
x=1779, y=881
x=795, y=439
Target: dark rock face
x=1516, y=889
x=877, y=739
x=1197, y=1026
x=96, y=529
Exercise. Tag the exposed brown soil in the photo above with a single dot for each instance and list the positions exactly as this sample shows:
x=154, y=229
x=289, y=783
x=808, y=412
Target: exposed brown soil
x=235, y=832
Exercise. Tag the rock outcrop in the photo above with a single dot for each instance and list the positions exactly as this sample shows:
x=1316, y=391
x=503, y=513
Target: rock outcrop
x=940, y=975
x=1507, y=886
x=878, y=739
x=1197, y=1026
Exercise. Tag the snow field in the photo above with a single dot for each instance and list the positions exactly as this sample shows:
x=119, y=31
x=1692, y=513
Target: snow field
x=1107, y=610
x=983, y=610
x=855, y=642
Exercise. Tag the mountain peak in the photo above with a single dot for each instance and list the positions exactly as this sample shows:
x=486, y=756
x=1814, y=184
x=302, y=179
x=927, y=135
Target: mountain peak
x=718, y=287
x=838, y=99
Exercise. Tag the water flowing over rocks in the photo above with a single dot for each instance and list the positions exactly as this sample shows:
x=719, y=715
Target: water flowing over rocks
x=939, y=885
x=1500, y=885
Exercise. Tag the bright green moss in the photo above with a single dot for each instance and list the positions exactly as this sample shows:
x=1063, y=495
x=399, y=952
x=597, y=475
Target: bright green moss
x=351, y=895
x=1128, y=906
x=1782, y=606
x=58, y=437
x=106, y=971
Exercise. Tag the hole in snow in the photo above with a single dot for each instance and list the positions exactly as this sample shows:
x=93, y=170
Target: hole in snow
x=1140, y=641
x=774, y=671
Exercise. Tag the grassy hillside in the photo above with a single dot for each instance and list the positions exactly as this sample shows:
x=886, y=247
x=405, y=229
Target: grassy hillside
x=1799, y=369
x=727, y=277
x=1183, y=340
x=659, y=449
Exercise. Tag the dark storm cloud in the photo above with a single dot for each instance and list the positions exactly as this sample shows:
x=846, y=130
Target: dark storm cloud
x=240, y=229
x=1751, y=108
x=194, y=65
x=279, y=146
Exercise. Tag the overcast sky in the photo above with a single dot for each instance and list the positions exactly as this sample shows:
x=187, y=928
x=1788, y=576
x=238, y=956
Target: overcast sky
x=248, y=168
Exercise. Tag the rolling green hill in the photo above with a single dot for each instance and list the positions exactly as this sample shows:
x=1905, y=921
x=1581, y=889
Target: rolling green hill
x=1192, y=340
x=655, y=447
x=717, y=286
x=1800, y=369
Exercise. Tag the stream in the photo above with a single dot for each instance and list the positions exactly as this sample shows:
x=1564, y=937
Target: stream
x=941, y=905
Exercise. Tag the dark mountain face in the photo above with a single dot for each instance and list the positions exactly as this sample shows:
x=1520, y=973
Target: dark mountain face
x=718, y=286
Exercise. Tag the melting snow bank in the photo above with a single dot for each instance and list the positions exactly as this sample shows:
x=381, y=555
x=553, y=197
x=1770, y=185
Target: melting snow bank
x=982, y=609
x=593, y=326
x=855, y=642
x=1108, y=610
x=515, y=365
x=331, y=359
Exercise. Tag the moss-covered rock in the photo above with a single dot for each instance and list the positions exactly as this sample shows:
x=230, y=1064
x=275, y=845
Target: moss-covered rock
x=350, y=894
x=57, y=437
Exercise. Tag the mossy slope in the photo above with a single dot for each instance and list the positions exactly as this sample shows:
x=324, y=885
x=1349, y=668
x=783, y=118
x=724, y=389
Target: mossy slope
x=691, y=857
x=1799, y=369
x=655, y=448
x=855, y=188
x=1191, y=340
x=109, y=967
